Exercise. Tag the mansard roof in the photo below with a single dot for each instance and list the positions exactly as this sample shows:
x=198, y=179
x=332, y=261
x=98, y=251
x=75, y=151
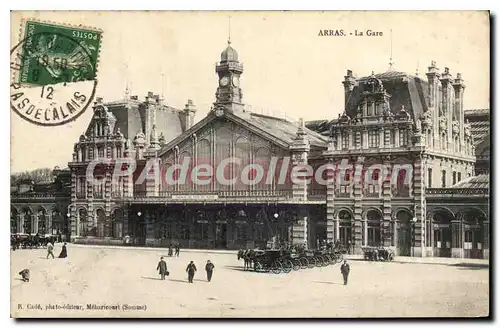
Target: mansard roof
x=479, y=120
x=131, y=118
x=406, y=90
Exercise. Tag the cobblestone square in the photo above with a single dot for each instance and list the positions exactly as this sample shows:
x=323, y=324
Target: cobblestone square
x=120, y=276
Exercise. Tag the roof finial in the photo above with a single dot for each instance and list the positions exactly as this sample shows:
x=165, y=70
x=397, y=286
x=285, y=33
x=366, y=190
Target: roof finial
x=229, y=38
x=391, y=62
x=418, y=64
x=163, y=85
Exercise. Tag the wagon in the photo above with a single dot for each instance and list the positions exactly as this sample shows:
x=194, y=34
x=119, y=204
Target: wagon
x=377, y=253
x=275, y=261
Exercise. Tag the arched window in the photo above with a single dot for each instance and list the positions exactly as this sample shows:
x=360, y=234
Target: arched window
x=82, y=222
x=373, y=222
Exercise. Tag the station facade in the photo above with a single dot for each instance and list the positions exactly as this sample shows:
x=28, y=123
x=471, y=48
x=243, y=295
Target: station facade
x=409, y=135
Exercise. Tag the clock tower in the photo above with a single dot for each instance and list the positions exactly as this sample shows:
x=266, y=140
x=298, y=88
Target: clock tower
x=229, y=70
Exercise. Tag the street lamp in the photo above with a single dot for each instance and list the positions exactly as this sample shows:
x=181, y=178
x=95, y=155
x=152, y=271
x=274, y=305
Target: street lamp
x=276, y=215
x=413, y=222
x=139, y=214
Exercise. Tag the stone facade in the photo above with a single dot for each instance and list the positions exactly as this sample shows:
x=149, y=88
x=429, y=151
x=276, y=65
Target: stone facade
x=408, y=134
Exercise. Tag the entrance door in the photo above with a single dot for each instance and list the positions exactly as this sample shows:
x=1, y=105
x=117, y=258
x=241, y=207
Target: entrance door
x=442, y=240
x=221, y=235
x=473, y=245
x=404, y=239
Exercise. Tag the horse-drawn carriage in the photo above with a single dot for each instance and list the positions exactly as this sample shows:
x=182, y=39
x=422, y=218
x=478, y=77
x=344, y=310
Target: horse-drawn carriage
x=275, y=261
x=291, y=258
x=377, y=253
x=23, y=240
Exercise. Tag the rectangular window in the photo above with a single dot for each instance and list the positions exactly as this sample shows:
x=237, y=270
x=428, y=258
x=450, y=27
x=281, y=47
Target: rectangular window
x=119, y=152
x=403, y=138
x=373, y=139
x=429, y=178
x=443, y=179
x=345, y=140
x=100, y=151
x=454, y=178
x=459, y=177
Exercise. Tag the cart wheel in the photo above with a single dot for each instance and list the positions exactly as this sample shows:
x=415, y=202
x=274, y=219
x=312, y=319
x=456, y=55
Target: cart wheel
x=331, y=259
x=257, y=266
x=304, y=263
x=296, y=264
x=276, y=267
x=340, y=257
x=311, y=262
x=325, y=260
x=287, y=266
x=318, y=261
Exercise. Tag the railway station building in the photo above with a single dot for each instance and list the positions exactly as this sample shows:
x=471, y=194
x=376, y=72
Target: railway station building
x=404, y=166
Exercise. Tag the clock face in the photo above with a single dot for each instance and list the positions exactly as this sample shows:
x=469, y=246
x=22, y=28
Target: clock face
x=224, y=81
x=236, y=80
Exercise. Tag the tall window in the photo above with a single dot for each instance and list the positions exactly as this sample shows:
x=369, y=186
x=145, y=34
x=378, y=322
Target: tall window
x=403, y=138
x=459, y=178
x=345, y=140
x=429, y=178
x=454, y=178
x=373, y=138
x=443, y=179
x=118, y=152
x=100, y=151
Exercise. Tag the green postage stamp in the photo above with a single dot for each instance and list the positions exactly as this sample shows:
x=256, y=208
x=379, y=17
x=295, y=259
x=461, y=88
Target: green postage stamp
x=54, y=53
x=54, y=71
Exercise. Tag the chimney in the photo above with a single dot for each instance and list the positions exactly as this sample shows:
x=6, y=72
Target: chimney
x=433, y=79
x=188, y=114
x=446, y=81
x=349, y=83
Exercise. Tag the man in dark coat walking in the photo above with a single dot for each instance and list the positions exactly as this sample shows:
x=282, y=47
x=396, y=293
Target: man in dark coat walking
x=209, y=267
x=177, y=249
x=344, y=269
x=162, y=266
x=191, y=269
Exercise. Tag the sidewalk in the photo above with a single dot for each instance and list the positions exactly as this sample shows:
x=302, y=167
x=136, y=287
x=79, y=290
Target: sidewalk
x=430, y=260
x=398, y=259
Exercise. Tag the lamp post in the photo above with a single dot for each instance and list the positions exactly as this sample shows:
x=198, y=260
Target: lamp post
x=413, y=222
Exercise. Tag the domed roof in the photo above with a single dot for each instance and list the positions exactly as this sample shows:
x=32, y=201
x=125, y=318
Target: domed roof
x=229, y=54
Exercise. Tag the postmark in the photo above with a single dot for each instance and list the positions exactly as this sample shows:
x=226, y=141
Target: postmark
x=54, y=72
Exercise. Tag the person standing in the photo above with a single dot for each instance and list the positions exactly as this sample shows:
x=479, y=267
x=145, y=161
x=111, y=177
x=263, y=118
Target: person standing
x=177, y=249
x=50, y=249
x=162, y=267
x=64, y=252
x=191, y=269
x=345, y=269
x=209, y=267
x=170, y=252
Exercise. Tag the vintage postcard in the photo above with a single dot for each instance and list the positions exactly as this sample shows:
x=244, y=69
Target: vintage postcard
x=280, y=164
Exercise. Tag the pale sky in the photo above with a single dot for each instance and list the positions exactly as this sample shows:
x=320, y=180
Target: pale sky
x=288, y=68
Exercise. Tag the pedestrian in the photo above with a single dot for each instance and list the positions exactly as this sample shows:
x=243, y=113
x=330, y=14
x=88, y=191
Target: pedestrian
x=170, y=250
x=162, y=267
x=25, y=274
x=64, y=252
x=344, y=269
x=177, y=249
x=191, y=269
x=209, y=267
x=50, y=249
